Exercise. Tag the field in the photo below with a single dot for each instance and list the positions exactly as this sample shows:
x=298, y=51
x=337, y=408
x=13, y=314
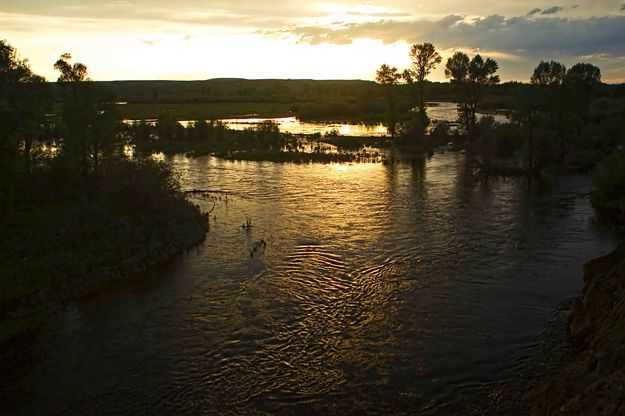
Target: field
x=203, y=111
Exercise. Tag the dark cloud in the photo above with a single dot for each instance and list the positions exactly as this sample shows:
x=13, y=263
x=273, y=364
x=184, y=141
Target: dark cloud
x=533, y=12
x=545, y=37
x=552, y=10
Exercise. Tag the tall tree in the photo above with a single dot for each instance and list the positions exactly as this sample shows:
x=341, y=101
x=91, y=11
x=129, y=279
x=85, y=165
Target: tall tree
x=581, y=82
x=76, y=109
x=389, y=77
x=481, y=76
x=457, y=69
x=548, y=74
x=584, y=75
x=24, y=99
x=424, y=59
x=471, y=79
x=548, y=78
x=87, y=115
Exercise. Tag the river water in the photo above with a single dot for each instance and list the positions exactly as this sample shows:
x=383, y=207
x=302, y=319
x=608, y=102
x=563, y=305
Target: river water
x=382, y=289
x=437, y=111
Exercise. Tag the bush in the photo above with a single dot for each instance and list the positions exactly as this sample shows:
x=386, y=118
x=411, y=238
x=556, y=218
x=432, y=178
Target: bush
x=609, y=186
x=59, y=246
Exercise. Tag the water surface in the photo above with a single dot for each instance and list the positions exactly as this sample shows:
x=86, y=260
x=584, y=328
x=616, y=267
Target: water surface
x=382, y=289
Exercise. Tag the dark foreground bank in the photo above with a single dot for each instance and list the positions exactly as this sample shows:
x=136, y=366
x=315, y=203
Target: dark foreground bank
x=89, y=234
x=593, y=382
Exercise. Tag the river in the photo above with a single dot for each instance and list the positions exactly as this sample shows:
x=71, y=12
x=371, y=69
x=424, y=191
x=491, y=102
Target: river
x=382, y=289
x=437, y=111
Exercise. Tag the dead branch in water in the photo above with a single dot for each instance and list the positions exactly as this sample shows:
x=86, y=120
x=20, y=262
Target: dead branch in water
x=212, y=209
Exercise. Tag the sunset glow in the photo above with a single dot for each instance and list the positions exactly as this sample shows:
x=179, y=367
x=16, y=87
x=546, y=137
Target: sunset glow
x=337, y=40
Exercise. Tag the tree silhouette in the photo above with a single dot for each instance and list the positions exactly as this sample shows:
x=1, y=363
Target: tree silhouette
x=580, y=82
x=70, y=73
x=586, y=76
x=389, y=77
x=457, y=69
x=549, y=77
x=470, y=79
x=424, y=59
x=481, y=76
x=87, y=115
x=548, y=74
x=24, y=99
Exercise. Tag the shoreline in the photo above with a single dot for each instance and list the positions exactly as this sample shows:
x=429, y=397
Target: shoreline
x=592, y=380
x=117, y=232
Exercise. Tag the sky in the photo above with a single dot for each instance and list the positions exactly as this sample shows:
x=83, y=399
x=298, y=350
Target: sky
x=203, y=39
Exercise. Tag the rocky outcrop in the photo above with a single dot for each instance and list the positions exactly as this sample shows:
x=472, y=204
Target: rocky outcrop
x=593, y=383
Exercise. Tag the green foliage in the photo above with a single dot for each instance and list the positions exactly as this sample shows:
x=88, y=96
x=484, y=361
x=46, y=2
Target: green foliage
x=470, y=79
x=88, y=117
x=413, y=130
x=549, y=74
x=441, y=131
x=137, y=216
x=388, y=77
x=609, y=190
x=24, y=99
x=82, y=216
x=424, y=59
x=583, y=75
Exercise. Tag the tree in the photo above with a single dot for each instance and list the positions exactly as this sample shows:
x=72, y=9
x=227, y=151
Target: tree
x=580, y=83
x=548, y=74
x=70, y=73
x=424, y=59
x=481, y=77
x=457, y=69
x=75, y=108
x=470, y=78
x=24, y=99
x=548, y=78
x=389, y=77
x=583, y=75
x=526, y=114
x=88, y=115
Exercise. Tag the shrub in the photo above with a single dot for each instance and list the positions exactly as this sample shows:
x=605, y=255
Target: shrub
x=609, y=186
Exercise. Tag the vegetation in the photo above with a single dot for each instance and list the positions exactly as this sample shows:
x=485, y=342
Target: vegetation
x=81, y=215
x=470, y=79
x=389, y=77
x=424, y=59
x=608, y=194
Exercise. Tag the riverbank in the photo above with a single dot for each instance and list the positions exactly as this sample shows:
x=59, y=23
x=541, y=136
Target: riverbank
x=593, y=381
x=65, y=248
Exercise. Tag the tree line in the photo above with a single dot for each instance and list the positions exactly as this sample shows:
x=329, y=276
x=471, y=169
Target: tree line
x=546, y=116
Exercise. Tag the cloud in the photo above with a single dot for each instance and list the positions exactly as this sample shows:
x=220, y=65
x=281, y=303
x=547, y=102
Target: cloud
x=623, y=7
x=544, y=37
x=552, y=10
x=379, y=14
x=533, y=12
